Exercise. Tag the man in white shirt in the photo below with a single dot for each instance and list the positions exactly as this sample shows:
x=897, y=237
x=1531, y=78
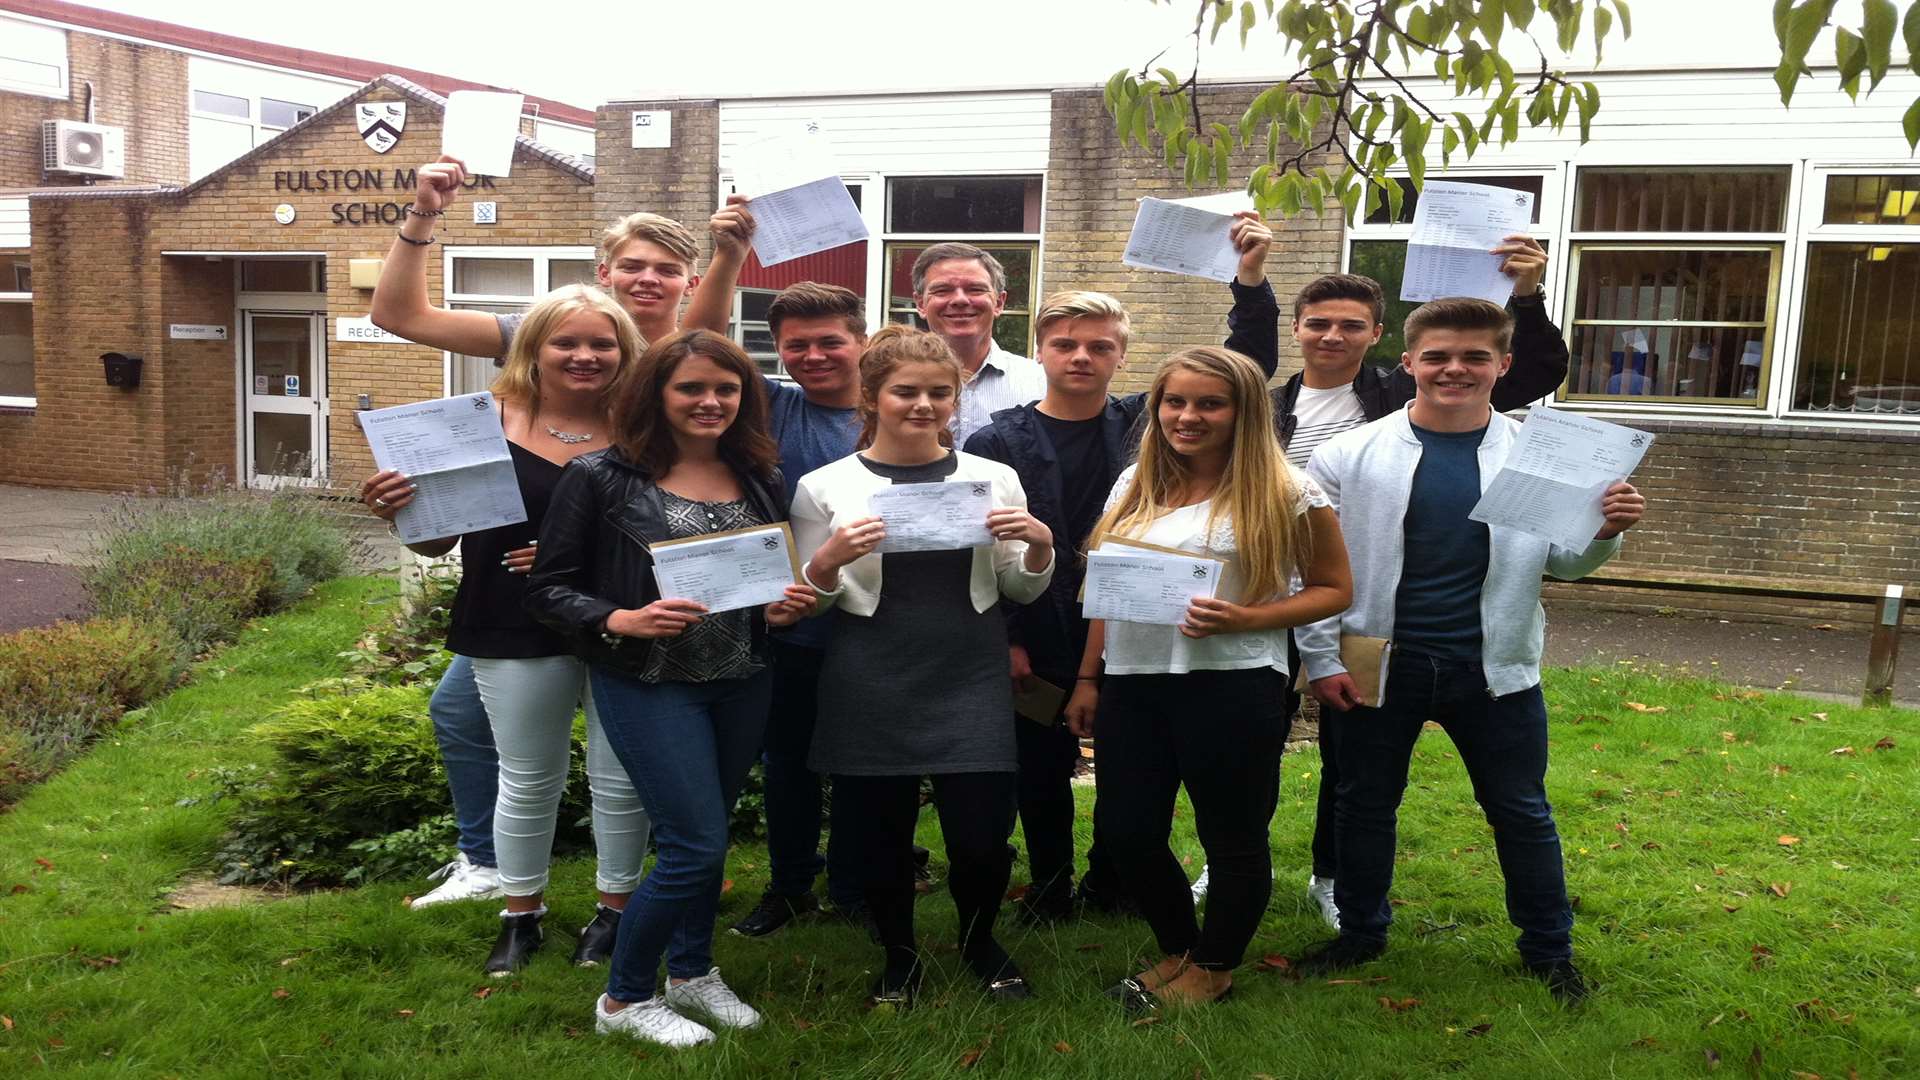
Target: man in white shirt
x=959, y=290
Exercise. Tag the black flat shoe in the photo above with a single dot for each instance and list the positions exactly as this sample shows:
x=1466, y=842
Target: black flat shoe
x=520, y=937
x=1134, y=997
x=596, y=938
x=899, y=997
x=1011, y=988
x=773, y=912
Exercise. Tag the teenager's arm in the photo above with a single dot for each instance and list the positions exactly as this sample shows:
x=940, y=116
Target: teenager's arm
x=1319, y=641
x=1253, y=324
x=1623, y=505
x=557, y=587
x=1539, y=348
x=400, y=303
x=1085, y=697
x=711, y=307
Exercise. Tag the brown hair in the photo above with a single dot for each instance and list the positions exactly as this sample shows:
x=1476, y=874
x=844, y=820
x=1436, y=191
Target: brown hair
x=1342, y=287
x=955, y=250
x=640, y=427
x=664, y=231
x=1460, y=313
x=889, y=348
x=812, y=300
x=1082, y=305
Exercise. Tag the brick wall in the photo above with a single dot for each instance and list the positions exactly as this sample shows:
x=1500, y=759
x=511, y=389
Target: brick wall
x=681, y=181
x=101, y=284
x=1092, y=191
x=142, y=88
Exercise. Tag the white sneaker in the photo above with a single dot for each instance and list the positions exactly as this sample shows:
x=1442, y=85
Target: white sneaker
x=1321, y=889
x=715, y=1000
x=649, y=1021
x=465, y=881
x=1199, y=885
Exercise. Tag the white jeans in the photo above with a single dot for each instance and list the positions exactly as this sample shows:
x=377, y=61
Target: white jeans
x=530, y=706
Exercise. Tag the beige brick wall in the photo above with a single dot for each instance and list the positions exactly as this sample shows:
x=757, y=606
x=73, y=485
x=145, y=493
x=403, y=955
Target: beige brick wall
x=142, y=88
x=680, y=182
x=101, y=284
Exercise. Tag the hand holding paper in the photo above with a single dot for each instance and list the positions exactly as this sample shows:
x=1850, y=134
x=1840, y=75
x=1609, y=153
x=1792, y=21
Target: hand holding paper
x=800, y=204
x=1559, y=476
x=1184, y=238
x=480, y=128
x=934, y=517
x=455, y=453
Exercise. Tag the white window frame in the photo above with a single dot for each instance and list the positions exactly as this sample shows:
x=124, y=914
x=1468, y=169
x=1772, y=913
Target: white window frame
x=33, y=43
x=878, y=312
x=16, y=401
x=542, y=258
x=260, y=129
x=1811, y=206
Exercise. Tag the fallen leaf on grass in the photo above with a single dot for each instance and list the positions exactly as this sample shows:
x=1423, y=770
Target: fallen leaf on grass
x=18, y=889
x=1761, y=956
x=1779, y=770
x=483, y=993
x=1838, y=865
x=281, y=993
x=1646, y=1042
x=1642, y=707
x=101, y=963
x=1063, y=1047
x=1018, y=892
x=1818, y=715
x=43, y=864
x=1730, y=908
x=1373, y=981
x=1884, y=744
x=1780, y=888
x=1799, y=1075
x=1841, y=751
x=1478, y=1030
x=726, y=886
x=1145, y=1021
x=1717, y=1018
x=972, y=1057
x=6, y=1022
x=1727, y=736
x=801, y=1024
x=404, y=1014
x=1788, y=841
x=1275, y=962
x=1399, y=1006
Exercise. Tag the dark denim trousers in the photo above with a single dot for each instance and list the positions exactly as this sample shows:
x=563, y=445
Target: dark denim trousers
x=466, y=749
x=1503, y=743
x=688, y=747
x=793, y=790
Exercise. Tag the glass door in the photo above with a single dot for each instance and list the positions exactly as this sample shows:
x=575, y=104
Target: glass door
x=286, y=399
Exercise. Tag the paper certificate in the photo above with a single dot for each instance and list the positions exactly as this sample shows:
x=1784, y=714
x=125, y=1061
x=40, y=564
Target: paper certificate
x=1182, y=238
x=934, y=517
x=455, y=452
x=1560, y=466
x=1138, y=586
x=480, y=128
x=800, y=204
x=740, y=568
x=1454, y=227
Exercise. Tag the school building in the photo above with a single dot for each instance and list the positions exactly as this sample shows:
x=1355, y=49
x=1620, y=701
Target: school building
x=1737, y=278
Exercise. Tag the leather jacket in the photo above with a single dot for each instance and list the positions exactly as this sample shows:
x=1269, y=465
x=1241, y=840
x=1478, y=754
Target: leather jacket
x=594, y=558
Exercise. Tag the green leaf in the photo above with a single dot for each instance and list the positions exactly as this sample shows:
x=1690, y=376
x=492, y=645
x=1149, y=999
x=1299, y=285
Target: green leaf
x=1396, y=196
x=1781, y=10
x=1626, y=18
x=1602, y=25
x=1786, y=77
x=1222, y=162
x=1449, y=142
x=1273, y=140
x=1113, y=88
x=1257, y=182
x=1247, y=21
x=1882, y=18
x=1520, y=13
x=1910, y=30
x=1910, y=124
x=1851, y=56
x=1510, y=123
x=1167, y=76
x=1589, y=104
x=1374, y=192
x=1569, y=25
x=1492, y=20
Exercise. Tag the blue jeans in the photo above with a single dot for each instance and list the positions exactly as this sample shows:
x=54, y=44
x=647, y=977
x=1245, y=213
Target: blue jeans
x=1503, y=743
x=793, y=790
x=466, y=749
x=688, y=747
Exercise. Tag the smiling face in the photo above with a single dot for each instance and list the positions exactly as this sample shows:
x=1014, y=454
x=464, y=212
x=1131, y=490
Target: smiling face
x=648, y=280
x=701, y=399
x=916, y=401
x=823, y=355
x=1196, y=413
x=581, y=355
x=1454, y=371
x=1334, y=336
x=1080, y=355
x=958, y=300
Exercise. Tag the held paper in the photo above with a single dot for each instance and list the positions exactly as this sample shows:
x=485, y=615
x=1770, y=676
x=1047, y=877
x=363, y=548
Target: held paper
x=1553, y=479
x=1180, y=238
x=1146, y=586
x=934, y=517
x=1454, y=227
x=455, y=452
x=479, y=128
x=725, y=571
x=800, y=204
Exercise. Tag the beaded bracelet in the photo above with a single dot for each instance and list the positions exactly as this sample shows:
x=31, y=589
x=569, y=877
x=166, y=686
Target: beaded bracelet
x=428, y=242
x=417, y=212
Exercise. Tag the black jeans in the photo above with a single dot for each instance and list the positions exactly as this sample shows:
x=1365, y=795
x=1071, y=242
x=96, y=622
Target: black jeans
x=1503, y=743
x=1048, y=757
x=873, y=822
x=793, y=790
x=1220, y=733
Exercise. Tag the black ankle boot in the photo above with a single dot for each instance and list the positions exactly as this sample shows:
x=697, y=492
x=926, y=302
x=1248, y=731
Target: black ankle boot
x=596, y=939
x=520, y=937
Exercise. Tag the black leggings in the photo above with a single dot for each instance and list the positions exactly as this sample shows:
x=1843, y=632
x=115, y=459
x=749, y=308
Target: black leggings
x=1220, y=733
x=875, y=815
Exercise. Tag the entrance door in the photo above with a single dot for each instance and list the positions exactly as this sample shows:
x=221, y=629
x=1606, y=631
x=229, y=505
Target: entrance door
x=284, y=386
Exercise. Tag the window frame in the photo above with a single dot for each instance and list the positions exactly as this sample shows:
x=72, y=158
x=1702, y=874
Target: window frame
x=543, y=258
x=45, y=35
x=254, y=121
x=19, y=401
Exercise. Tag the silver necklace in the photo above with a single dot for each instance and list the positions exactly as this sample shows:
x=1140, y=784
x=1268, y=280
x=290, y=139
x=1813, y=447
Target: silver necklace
x=569, y=437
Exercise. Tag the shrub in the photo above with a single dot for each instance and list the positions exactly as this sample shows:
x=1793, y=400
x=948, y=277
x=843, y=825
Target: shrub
x=411, y=647
x=295, y=535
x=203, y=596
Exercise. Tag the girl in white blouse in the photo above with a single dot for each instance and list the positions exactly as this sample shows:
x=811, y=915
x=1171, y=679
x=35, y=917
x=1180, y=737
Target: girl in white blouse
x=1200, y=704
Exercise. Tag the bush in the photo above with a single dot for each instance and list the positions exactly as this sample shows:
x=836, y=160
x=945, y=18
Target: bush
x=411, y=647
x=294, y=535
x=352, y=772
x=203, y=596
x=62, y=685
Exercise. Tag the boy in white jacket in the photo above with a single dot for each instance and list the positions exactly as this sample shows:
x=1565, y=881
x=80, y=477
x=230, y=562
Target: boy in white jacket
x=1464, y=617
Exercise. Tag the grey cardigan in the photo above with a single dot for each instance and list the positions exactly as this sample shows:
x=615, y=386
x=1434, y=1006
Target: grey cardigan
x=1368, y=473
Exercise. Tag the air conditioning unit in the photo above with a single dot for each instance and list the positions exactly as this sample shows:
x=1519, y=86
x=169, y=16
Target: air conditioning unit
x=73, y=148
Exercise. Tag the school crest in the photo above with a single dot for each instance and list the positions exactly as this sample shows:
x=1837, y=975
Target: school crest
x=380, y=123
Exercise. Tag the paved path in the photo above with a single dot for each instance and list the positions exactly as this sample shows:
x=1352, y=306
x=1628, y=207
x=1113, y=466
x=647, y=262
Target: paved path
x=38, y=593
x=43, y=525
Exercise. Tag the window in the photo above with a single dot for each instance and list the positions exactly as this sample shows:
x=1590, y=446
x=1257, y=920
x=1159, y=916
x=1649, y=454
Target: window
x=277, y=115
x=1675, y=279
x=750, y=329
x=504, y=281
x=281, y=275
x=1860, y=311
x=221, y=127
x=207, y=101
x=999, y=214
x=16, y=330
x=1377, y=248
x=33, y=59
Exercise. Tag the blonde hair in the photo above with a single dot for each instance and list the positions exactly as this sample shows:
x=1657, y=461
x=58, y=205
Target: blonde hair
x=1257, y=494
x=666, y=232
x=889, y=348
x=519, y=380
x=1079, y=304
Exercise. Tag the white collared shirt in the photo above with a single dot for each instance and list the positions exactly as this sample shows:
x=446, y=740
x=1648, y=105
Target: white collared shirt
x=1004, y=380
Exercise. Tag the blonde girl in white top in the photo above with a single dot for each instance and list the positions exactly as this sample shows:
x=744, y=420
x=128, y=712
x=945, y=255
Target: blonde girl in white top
x=1200, y=704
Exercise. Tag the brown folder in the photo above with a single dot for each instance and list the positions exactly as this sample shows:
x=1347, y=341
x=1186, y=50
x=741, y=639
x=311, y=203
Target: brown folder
x=1366, y=662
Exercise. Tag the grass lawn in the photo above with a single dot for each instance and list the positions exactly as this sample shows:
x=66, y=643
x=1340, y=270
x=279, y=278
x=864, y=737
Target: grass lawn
x=1744, y=866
